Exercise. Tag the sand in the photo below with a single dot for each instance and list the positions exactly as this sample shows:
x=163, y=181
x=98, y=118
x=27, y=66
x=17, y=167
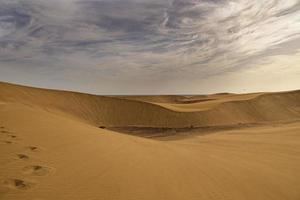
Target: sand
x=224, y=146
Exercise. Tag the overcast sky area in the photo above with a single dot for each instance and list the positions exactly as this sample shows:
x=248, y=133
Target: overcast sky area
x=151, y=46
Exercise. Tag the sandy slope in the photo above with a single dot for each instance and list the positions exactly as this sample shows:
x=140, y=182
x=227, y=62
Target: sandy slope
x=109, y=111
x=51, y=148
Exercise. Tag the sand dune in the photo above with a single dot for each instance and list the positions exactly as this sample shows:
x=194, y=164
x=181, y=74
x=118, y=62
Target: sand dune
x=109, y=111
x=51, y=146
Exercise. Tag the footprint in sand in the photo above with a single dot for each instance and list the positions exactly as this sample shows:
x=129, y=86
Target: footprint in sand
x=18, y=184
x=7, y=142
x=3, y=131
x=22, y=156
x=12, y=136
x=8, y=133
x=33, y=148
x=36, y=170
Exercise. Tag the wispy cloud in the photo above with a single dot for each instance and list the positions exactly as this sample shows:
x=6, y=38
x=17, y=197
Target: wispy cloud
x=139, y=42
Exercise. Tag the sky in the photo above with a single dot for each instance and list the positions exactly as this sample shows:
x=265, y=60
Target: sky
x=151, y=46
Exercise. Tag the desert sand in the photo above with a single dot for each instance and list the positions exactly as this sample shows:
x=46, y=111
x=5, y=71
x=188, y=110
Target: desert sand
x=67, y=145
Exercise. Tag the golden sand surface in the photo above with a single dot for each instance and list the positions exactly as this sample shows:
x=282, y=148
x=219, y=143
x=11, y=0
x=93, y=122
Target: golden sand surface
x=210, y=147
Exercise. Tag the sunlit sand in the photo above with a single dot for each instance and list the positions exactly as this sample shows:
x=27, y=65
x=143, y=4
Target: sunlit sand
x=65, y=145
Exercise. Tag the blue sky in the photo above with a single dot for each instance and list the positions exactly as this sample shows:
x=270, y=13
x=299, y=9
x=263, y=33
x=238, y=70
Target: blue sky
x=151, y=46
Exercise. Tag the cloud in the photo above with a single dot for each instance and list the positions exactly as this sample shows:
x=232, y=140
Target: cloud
x=126, y=40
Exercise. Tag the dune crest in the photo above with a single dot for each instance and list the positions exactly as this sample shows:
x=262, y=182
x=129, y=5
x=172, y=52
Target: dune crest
x=224, y=109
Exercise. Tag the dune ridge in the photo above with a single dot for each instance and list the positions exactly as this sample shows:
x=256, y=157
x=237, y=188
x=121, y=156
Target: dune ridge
x=109, y=111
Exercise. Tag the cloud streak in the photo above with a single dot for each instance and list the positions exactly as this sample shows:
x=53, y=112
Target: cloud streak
x=136, y=42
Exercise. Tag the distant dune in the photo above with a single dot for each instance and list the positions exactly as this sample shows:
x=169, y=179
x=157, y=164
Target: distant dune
x=142, y=112
x=67, y=145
